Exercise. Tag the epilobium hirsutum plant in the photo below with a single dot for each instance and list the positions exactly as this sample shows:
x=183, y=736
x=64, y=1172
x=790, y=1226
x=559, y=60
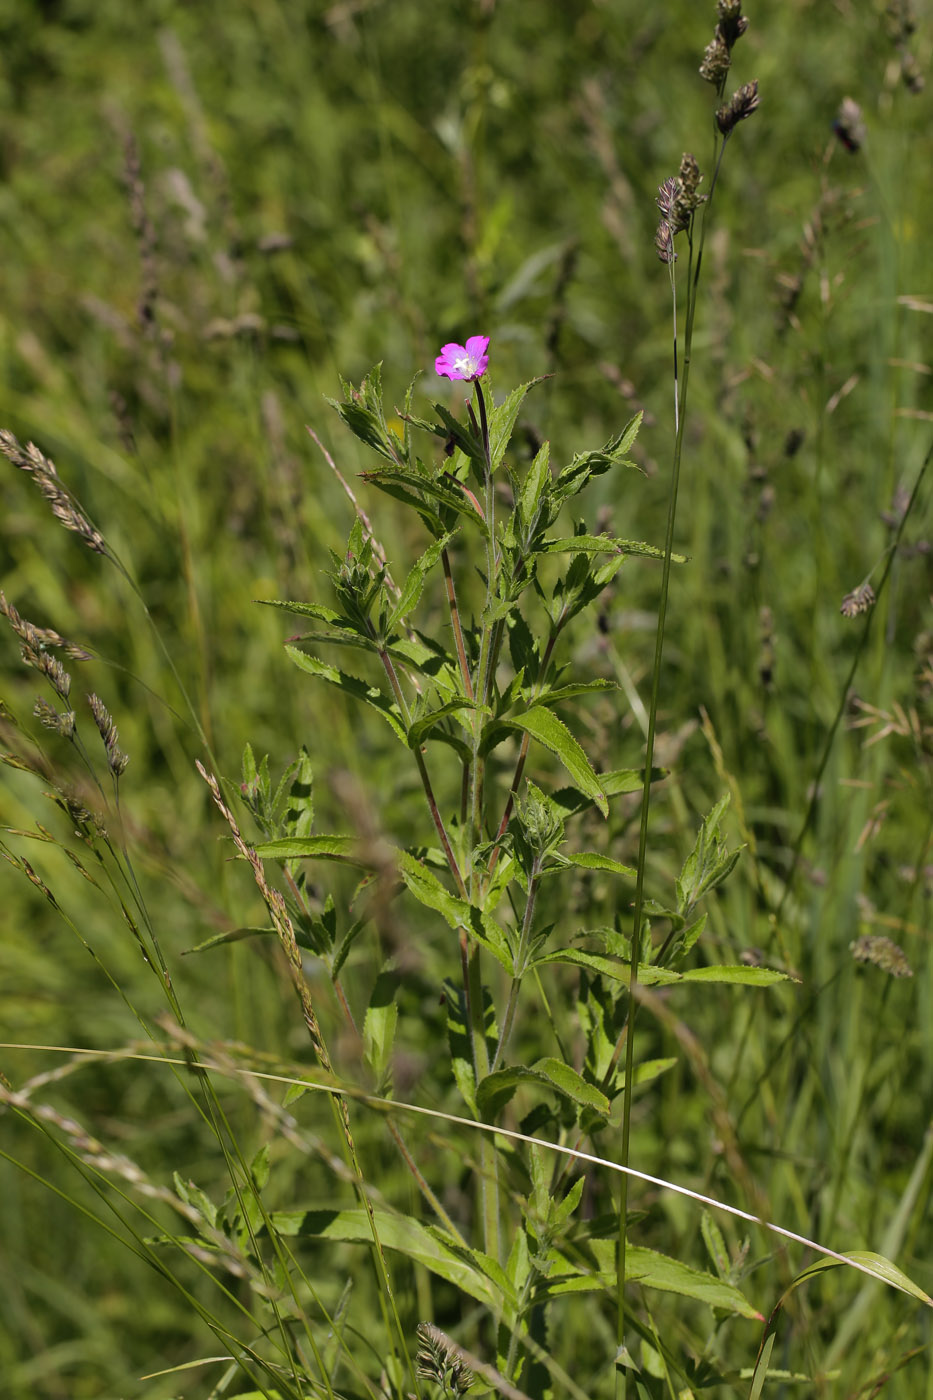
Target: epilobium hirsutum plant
x=477, y=707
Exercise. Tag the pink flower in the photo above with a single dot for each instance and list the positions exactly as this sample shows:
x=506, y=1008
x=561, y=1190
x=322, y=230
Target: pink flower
x=464, y=361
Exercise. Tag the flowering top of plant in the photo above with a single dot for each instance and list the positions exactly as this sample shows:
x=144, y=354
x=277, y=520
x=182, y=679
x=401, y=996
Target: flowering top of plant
x=464, y=361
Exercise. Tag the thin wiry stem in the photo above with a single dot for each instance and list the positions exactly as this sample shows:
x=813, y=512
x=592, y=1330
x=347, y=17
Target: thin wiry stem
x=680, y=399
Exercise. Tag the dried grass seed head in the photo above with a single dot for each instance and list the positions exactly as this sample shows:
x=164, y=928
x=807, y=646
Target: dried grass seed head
x=43, y=473
x=716, y=61
x=116, y=758
x=883, y=952
x=717, y=57
x=63, y=724
x=860, y=600
x=743, y=102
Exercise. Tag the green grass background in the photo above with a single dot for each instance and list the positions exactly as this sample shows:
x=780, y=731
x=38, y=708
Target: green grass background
x=437, y=171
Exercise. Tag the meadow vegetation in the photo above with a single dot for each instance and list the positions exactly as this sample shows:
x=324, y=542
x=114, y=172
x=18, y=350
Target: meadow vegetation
x=429, y=796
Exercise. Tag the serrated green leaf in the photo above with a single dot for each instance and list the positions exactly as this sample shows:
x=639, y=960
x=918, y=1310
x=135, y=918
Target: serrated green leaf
x=495, y=1091
x=544, y=726
x=604, y=544
x=341, y=848
x=380, y=1021
x=569, y=692
x=351, y=685
x=569, y=1082
x=192, y=1195
x=421, y=727
x=435, y=1251
x=502, y=419
x=409, y=496
x=592, y=860
x=414, y=583
x=458, y=913
x=651, y=976
x=652, y=1270
x=585, y=465
x=315, y=610
x=418, y=491
x=532, y=488
x=738, y=976
x=613, y=784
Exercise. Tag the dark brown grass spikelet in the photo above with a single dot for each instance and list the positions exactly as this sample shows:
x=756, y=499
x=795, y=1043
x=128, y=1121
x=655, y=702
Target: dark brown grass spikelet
x=717, y=57
x=883, y=952
x=677, y=199
x=42, y=470
x=732, y=23
x=860, y=600
x=743, y=102
x=116, y=758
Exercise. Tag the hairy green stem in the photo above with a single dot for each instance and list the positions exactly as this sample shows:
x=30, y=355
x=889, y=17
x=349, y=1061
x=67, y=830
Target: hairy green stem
x=490, y=641
x=534, y=883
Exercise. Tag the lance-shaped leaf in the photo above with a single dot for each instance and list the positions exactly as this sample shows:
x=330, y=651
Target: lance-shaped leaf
x=352, y=685
x=379, y=1025
x=530, y=496
x=542, y=724
x=593, y=860
x=458, y=913
x=604, y=544
x=345, y=849
x=497, y=1089
x=585, y=465
x=414, y=583
x=422, y=726
x=315, y=610
x=653, y=1270
x=651, y=976
x=502, y=419
x=433, y=1248
x=569, y=692
x=420, y=491
x=363, y=413
x=613, y=784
